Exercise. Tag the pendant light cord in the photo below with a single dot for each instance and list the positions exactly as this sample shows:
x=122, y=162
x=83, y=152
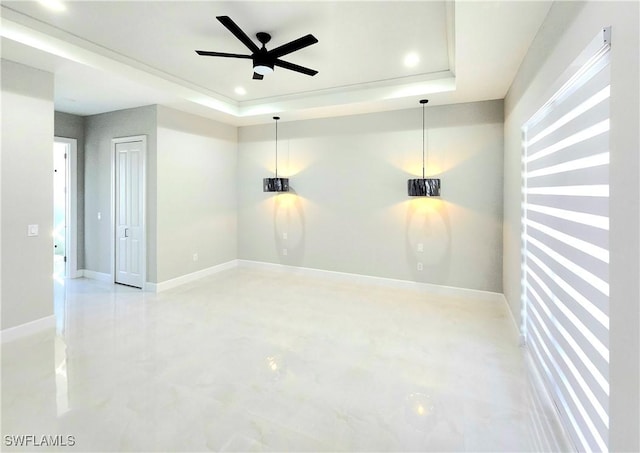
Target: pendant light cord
x=423, y=102
x=423, y=135
x=276, y=118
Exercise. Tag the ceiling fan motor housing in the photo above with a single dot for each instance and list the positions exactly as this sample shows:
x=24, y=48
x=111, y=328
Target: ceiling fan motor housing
x=262, y=63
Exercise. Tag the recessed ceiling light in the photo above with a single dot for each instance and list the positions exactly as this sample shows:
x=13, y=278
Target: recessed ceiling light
x=411, y=60
x=240, y=91
x=54, y=5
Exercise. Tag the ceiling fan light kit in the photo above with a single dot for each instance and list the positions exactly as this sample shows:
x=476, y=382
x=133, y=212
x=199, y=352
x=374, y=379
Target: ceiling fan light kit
x=423, y=187
x=262, y=69
x=275, y=184
x=264, y=61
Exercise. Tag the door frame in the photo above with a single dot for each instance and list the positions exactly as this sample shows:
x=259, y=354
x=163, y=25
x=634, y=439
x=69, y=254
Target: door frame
x=143, y=204
x=71, y=233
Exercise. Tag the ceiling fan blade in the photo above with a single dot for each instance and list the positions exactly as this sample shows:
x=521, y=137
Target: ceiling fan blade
x=207, y=53
x=257, y=76
x=238, y=33
x=295, y=67
x=292, y=46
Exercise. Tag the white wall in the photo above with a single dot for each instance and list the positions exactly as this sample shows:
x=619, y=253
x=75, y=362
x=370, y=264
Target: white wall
x=99, y=130
x=568, y=29
x=196, y=193
x=191, y=200
x=27, y=194
x=352, y=213
x=72, y=126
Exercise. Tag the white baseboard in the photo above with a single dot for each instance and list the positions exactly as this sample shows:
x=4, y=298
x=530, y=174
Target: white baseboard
x=28, y=328
x=101, y=276
x=541, y=395
x=380, y=281
x=514, y=325
x=168, y=284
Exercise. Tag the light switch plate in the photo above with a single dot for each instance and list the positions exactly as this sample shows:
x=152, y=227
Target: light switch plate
x=32, y=230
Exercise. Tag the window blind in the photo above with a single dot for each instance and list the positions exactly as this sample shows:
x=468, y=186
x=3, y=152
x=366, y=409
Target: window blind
x=565, y=244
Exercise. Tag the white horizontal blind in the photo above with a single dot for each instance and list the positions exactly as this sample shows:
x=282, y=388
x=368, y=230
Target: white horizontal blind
x=566, y=247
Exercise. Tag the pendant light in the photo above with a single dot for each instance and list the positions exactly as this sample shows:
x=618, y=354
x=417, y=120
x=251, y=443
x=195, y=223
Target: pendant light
x=275, y=184
x=423, y=187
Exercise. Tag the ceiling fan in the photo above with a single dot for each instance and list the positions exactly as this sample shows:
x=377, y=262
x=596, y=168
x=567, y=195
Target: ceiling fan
x=264, y=60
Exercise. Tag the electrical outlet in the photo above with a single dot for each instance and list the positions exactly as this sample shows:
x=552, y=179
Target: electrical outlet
x=99, y=216
x=284, y=252
x=419, y=266
x=421, y=247
x=285, y=236
x=195, y=257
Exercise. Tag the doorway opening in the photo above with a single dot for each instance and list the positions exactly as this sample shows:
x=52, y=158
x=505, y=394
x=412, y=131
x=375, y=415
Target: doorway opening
x=64, y=208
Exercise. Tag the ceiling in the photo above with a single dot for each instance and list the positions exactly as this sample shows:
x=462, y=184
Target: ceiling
x=109, y=55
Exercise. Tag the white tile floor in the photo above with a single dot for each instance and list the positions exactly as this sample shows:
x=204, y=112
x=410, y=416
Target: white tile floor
x=250, y=360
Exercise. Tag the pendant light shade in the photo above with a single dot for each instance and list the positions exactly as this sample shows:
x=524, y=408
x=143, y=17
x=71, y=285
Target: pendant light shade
x=427, y=187
x=275, y=184
x=423, y=187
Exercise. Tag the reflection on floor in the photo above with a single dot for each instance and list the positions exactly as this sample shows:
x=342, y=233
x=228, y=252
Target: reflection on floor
x=248, y=360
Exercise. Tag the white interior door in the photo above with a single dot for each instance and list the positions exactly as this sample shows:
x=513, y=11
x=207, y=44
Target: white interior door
x=129, y=219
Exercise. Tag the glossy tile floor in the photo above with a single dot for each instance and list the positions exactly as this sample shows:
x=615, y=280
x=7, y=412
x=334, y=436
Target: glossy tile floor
x=249, y=360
